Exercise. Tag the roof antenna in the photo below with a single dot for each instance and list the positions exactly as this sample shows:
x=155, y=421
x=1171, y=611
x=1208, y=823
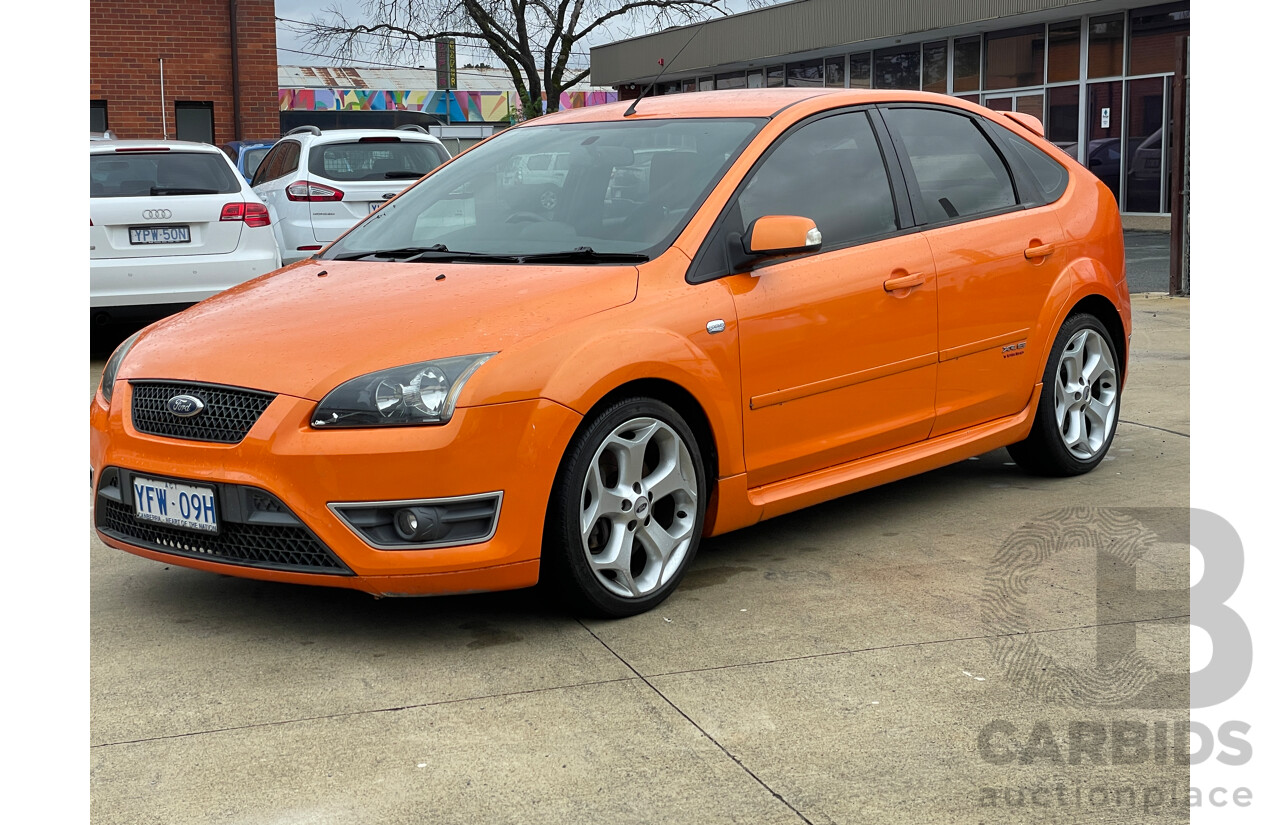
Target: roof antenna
x=631, y=110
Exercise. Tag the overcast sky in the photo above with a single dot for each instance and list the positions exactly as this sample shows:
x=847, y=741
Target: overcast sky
x=292, y=50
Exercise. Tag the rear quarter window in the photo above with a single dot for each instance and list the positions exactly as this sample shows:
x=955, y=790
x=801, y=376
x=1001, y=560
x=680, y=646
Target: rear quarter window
x=1050, y=175
x=146, y=174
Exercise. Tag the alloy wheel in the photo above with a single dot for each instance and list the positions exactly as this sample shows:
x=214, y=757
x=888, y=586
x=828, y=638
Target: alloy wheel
x=1085, y=394
x=638, y=507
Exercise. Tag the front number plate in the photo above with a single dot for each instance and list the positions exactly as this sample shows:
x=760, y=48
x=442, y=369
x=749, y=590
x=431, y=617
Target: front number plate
x=177, y=505
x=159, y=234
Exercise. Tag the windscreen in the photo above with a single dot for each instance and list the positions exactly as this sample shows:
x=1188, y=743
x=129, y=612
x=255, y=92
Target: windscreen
x=616, y=188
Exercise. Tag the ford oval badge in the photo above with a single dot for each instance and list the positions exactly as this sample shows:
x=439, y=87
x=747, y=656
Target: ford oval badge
x=184, y=406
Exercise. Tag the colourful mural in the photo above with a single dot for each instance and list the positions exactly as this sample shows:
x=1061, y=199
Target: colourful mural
x=463, y=106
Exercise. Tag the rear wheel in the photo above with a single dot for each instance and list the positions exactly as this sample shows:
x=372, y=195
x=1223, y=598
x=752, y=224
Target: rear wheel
x=1079, y=405
x=627, y=510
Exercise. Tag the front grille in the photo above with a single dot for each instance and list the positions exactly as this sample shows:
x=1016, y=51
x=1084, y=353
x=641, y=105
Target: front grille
x=255, y=529
x=227, y=416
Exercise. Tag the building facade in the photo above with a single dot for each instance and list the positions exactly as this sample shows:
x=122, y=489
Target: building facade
x=191, y=71
x=1098, y=74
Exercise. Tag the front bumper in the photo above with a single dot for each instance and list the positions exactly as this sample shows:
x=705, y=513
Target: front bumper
x=512, y=448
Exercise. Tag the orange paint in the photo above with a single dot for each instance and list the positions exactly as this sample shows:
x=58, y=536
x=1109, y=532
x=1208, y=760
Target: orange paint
x=817, y=373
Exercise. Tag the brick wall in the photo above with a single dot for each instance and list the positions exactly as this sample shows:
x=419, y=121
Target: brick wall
x=128, y=37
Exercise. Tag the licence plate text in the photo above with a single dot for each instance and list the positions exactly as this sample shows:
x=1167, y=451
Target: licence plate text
x=178, y=505
x=159, y=234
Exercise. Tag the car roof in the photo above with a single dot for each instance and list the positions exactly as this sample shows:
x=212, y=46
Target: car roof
x=184, y=145
x=328, y=135
x=741, y=103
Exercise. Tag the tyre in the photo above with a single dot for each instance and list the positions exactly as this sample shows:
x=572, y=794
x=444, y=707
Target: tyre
x=1079, y=405
x=627, y=510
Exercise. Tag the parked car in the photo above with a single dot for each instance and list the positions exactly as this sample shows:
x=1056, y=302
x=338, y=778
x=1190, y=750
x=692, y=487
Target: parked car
x=170, y=223
x=461, y=395
x=247, y=154
x=536, y=179
x=317, y=184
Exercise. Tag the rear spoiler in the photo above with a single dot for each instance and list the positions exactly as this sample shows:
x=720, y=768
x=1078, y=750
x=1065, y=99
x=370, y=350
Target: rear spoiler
x=1029, y=122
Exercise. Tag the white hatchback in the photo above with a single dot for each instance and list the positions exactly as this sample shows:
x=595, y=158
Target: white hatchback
x=170, y=223
x=318, y=184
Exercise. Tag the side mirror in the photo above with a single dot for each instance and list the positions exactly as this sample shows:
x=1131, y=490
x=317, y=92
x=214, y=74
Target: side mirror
x=781, y=235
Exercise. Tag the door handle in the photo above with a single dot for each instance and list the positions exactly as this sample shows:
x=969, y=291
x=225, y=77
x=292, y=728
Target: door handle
x=905, y=282
x=1042, y=251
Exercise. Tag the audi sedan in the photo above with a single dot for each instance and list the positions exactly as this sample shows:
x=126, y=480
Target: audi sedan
x=170, y=223
x=821, y=291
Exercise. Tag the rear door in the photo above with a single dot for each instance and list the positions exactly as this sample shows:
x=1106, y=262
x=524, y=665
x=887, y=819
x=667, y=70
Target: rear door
x=151, y=202
x=998, y=250
x=367, y=171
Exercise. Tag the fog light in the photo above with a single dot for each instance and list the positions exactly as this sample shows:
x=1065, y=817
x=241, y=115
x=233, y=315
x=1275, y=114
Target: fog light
x=418, y=524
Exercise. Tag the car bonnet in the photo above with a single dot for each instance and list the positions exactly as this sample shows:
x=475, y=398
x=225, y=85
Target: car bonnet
x=305, y=330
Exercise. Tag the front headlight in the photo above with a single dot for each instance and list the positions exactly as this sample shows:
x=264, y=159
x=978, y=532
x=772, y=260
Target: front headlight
x=423, y=393
x=108, y=382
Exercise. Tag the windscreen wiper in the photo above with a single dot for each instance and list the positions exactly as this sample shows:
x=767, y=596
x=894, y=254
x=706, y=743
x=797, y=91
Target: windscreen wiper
x=436, y=252
x=402, y=174
x=584, y=255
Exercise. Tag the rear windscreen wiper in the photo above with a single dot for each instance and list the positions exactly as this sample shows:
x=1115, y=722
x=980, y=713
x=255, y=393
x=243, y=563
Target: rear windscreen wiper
x=181, y=190
x=403, y=174
x=584, y=255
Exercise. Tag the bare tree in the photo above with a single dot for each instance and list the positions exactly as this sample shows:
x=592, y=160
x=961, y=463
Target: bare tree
x=534, y=39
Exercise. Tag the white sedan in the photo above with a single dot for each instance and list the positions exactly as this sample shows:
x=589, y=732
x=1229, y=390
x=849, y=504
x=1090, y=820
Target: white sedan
x=170, y=224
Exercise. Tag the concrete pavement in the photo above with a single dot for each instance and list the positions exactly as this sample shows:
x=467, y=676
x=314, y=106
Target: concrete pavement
x=878, y=658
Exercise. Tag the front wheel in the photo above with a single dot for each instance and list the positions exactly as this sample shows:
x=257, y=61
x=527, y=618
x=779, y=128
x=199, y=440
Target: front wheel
x=627, y=509
x=1079, y=405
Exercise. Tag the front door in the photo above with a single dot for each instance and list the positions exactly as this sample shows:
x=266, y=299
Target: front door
x=838, y=348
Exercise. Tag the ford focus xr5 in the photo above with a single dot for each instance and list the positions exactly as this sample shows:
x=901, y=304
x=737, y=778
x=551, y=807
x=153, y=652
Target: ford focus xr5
x=811, y=292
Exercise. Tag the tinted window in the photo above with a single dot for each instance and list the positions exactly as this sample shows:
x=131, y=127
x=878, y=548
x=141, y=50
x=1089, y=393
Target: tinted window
x=271, y=167
x=829, y=170
x=1050, y=174
x=376, y=160
x=253, y=157
x=959, y=171
x=143, y=174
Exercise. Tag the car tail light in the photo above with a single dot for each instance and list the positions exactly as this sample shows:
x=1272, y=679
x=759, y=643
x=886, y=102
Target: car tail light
x=379, y=140
x=305, y=190
x=253, y=214
x=124, y=149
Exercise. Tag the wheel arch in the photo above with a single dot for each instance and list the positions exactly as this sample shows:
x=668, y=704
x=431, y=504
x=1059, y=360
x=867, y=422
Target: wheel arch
x=1101, y=308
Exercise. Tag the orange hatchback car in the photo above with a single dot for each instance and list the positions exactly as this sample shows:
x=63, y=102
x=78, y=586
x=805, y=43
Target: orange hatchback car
x=739, y=304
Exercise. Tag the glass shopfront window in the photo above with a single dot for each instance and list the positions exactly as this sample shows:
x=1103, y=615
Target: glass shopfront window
x=897, y=68
x=1102, y=132
x=732, y=80
x=860, y=71
x=934, y=67
x=755, y=79
x=1064, y=51
x=1153, y=37
x=1015, y=57
x=808, y=73
x=835, y=72
x=1143, y=144
x=777, y=76
x=1062, y=126
x=968, y=63
x=1106, y=45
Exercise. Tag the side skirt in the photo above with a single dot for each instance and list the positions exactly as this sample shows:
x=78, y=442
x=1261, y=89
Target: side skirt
x=793, y=494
